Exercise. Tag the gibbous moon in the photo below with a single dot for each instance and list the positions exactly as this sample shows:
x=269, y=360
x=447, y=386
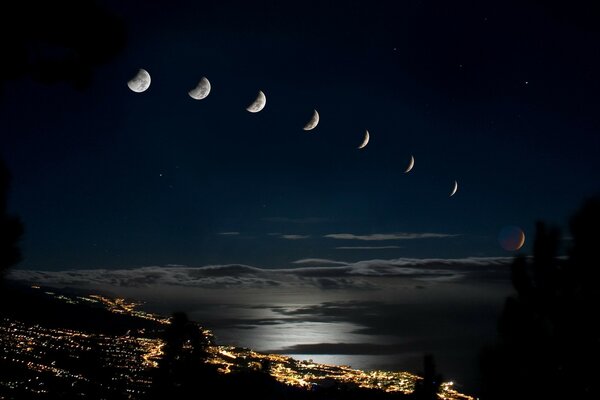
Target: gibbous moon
x=140, y=82
x=454, y=189
x=201, y=90
x=411, y=164
x=310, y=125
x=511, y=238
x=258, y=104
x=365, y=140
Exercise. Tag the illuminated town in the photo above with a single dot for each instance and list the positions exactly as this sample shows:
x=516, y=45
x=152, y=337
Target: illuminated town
x=44, y=358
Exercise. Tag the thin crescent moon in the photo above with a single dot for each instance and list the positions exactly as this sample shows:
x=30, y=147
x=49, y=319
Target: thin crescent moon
x=312, y=124
x=411, y=164
x=521, y=242
x=201, y=90
x=365, y=140
x=140, y=82
x=258, y=104
x=454, y=189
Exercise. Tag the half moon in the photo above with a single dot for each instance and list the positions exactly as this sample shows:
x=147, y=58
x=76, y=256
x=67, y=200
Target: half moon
x=140, y=82
x=411, y=164
x=454, y=189
x=310, y=125
x=258, y=104
x=365, y=140
x=201, y=90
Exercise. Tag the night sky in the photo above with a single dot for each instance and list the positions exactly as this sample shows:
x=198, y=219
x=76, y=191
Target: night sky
x=502, y=97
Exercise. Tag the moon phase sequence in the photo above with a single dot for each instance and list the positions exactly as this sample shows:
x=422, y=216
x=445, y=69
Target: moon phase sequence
x=201, y=90
x=365, y=141
x=314, y=121
x=258, y=104
x=140, y=82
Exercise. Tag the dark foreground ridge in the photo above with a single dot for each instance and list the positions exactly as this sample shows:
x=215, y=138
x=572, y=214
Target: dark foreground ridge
x=72, y=344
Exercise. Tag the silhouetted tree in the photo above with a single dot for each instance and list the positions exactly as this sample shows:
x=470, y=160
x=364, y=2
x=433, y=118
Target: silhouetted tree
x=57, y=41
x=182, y=369
x=11, y=228
x=429, y=386
x=265, y=367
x=549, y=345
x=183, y=373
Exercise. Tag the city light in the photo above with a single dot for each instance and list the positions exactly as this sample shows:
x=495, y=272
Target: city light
x=132, y=357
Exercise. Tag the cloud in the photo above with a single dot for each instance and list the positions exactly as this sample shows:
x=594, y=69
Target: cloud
x=367, y=247
x=374, y=317
x=313, y=272
x=388, y=236
x=428, y=266
x=294, y=237
x=229, y=233
x=326, y=283
x=288, y=236
x=318, y=261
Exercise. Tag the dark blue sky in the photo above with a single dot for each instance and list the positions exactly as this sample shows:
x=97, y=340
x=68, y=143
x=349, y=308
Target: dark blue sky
x=502, y=97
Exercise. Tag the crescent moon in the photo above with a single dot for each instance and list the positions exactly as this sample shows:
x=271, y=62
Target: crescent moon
x=140, y=82
x=411, y=164
x=201, y=90
x=312, y=124
x=521, y=241
x=258, y=104
x=365, y=140
x=454, y=189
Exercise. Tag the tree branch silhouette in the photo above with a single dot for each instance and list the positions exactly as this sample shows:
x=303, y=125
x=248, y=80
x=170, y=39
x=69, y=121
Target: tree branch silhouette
x=549, y=345
x=11, y=228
